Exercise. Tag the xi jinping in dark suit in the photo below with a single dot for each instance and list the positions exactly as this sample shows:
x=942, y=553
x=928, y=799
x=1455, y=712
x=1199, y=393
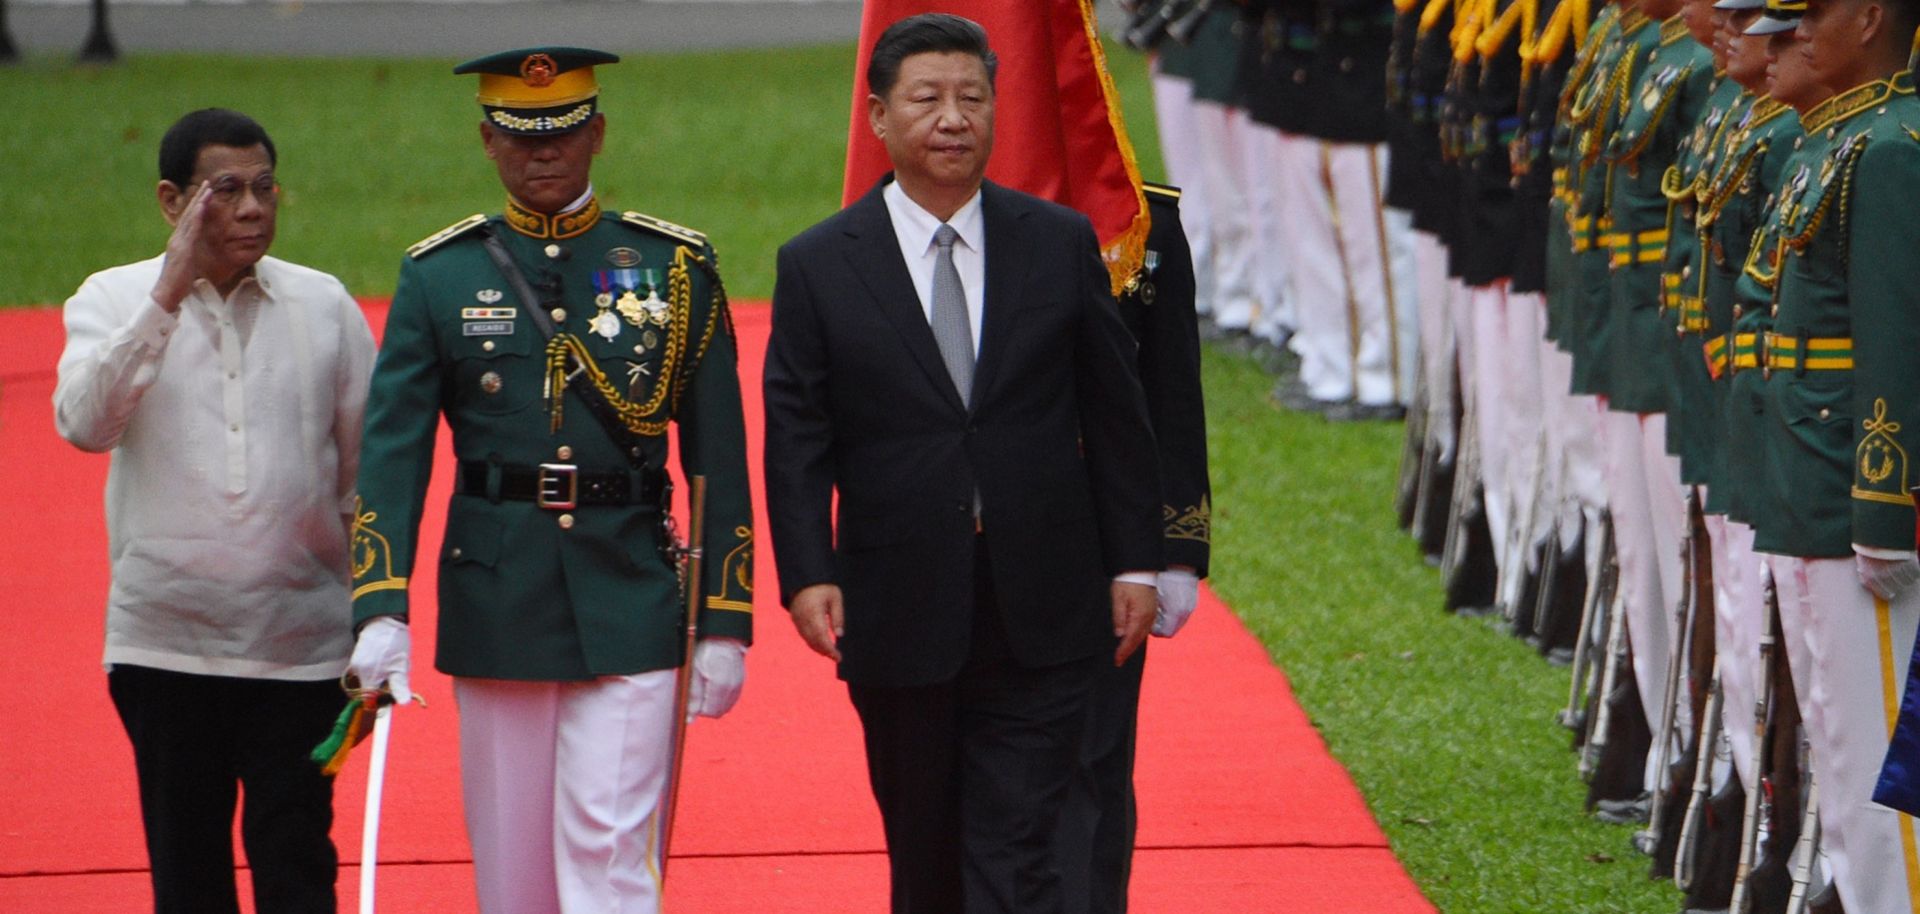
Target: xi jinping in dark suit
x=947, y=358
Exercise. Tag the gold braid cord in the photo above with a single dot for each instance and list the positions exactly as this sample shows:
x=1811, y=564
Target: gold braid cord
x=644, y=418
x=1799, y=241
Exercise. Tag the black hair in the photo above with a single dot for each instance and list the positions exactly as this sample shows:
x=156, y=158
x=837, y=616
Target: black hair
x=926, y=33
x=180, y=148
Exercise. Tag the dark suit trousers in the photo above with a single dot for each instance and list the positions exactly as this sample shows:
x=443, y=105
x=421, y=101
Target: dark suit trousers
x=196, y=739
x=1095, y=839
x=970, y=774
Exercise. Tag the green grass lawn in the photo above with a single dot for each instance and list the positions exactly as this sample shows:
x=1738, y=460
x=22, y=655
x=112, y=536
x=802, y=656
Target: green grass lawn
x=1445, y=724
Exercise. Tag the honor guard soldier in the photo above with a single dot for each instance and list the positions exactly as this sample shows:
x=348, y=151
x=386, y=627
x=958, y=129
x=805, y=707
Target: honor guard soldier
x=560, y=341
x=1097, y=827
x=1843, y=404
x=1741, y=175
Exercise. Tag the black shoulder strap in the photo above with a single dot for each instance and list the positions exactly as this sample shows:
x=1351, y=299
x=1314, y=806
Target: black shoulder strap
x=536, y=308
x=631, y=443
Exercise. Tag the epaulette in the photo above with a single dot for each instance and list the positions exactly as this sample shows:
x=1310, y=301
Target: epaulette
x=421, y=247
x=1160, y=190
x=678, y=233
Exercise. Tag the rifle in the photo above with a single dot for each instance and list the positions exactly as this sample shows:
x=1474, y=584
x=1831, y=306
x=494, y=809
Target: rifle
x=1149, y=22
x=1466, y=562
x=1806, y=848
x=1601, y=719
x=1182, y=28
x=1693, y=653
x=1769, y=825
x=1707, y=734
x=1593, y=617
x=1413, y=459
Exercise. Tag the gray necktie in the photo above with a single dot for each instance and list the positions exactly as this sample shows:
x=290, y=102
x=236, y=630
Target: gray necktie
x=952, y=330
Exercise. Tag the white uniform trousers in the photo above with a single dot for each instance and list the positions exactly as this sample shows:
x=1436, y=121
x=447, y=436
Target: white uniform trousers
x=1523, y=399
x=1220, y=131
x=1270, y=226
x=1739, y=622
x=1435, y=334
x=1858, y=647
x=1356, y=324
x=562, y=783
x=1646, y=544
x=1181, y=151
x=1574, y=451
x=1479, y=332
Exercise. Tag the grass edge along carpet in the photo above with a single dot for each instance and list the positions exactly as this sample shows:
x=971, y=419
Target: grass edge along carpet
x=1241, y=807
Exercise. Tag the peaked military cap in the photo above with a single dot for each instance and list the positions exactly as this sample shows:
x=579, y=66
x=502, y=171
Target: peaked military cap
x=1781, y=16
x=538, y=91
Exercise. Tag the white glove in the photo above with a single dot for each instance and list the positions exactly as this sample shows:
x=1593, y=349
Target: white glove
x=1887, y=578
x=1179, y=593
x=719, y=672
x=380, y=657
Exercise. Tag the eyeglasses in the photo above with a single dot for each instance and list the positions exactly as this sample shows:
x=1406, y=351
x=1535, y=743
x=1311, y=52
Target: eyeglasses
x=227, y=190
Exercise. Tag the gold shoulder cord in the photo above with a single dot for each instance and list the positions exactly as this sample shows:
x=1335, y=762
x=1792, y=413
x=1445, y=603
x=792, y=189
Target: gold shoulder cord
x=1799, y=241
x=565, y=349
x=1631, y=156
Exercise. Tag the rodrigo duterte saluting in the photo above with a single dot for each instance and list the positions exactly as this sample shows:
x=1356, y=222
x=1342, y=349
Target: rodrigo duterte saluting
x=946, y=356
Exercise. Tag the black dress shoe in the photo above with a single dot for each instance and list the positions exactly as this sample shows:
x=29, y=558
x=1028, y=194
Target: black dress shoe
x=1636, y=812
x=1290, y=394
x=1617, y=805
x=1351, y=411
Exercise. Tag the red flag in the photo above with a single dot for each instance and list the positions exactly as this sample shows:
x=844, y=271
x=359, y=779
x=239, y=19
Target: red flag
x=1058, y=130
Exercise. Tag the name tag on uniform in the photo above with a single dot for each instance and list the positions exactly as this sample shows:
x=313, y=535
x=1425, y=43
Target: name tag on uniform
x=488, y=314
x=487, y=328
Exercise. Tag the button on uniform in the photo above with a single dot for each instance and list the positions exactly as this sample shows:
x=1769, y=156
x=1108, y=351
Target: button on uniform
x=566, y=522
x=564, y=453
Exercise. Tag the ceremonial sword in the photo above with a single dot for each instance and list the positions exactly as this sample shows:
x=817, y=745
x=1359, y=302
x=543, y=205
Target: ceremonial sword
x=370, y=827
x=683, y=687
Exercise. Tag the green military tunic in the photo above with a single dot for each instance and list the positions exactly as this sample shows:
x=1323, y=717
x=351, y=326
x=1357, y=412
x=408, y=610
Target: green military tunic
x=548, y=592
x=1732, y=205
x=1693, y=414
x=1598, y=106
x=1665, y=97
x=1842, y=395
x=1563, y=277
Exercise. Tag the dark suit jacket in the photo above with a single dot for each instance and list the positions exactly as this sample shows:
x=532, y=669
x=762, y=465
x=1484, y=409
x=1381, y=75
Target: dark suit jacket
x=1057, y=443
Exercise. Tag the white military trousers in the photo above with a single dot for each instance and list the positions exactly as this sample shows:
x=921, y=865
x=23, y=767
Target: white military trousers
x=562, y=783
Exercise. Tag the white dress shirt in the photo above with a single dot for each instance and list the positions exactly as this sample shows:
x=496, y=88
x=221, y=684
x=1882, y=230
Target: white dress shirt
x=234, y=429
x=913, y=228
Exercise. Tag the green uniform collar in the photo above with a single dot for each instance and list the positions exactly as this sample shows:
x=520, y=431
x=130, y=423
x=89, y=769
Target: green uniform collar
x=568, y=224
x=1842, y=107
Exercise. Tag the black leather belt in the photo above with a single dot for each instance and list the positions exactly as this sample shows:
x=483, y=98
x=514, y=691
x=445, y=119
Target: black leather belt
x=561, y=486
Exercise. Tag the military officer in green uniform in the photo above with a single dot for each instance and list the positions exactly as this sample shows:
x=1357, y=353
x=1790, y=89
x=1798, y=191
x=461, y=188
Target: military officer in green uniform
x=1843, y=406
x=1740, y=172
x=560, y=341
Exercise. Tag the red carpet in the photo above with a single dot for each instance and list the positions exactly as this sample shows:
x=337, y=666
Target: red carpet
x=1241, y=807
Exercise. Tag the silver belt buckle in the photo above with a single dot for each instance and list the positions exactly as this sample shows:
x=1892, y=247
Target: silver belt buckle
x=559, y=488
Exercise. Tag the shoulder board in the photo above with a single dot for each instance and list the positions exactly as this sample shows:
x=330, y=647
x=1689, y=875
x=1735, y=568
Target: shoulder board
x=445, y=235
x=1160, y=190
x=662, y=227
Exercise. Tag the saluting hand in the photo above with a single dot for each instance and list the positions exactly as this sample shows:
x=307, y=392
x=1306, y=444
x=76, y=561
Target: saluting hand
x=818, y=616
x=1133, y=609
x=186, y=257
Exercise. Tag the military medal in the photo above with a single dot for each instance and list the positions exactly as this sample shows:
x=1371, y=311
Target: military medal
x=656, y=309
x=490, y=382
x=604, y=323
x=629, y=306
